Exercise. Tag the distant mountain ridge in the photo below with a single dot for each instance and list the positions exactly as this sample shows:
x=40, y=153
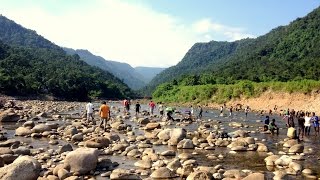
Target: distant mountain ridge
x=148, y=73
x=134, y=78
x=32, y=65
x=286, y=53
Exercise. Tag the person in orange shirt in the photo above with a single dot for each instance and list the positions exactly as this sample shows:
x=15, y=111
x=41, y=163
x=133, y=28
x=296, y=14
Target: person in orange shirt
x=104, y=112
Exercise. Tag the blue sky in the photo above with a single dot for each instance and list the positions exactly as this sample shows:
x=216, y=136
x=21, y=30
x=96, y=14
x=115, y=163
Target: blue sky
x=257, y=16
x=151, y=32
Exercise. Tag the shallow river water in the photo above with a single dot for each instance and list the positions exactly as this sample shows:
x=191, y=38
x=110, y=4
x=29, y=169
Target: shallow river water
x=242, y=160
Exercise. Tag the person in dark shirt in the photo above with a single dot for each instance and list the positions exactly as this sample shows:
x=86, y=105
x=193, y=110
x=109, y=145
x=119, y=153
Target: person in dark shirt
x=266, y=123
x=301, y=122
x=137, y=108
x=200, y=112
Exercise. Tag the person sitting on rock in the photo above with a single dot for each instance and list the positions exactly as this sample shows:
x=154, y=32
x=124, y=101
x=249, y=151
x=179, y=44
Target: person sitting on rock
x=273, y=127
x=266, y=123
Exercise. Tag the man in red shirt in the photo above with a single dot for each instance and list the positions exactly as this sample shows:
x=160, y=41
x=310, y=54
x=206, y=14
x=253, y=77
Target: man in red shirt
x=152, y=105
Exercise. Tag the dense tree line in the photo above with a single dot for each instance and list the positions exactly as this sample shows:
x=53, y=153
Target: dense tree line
x=285, y=53
x=32, y=65
x=33, y=71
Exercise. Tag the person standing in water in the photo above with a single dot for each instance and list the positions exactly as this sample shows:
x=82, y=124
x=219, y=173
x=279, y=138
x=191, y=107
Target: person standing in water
x=221, y=110
x=104, y=112
x=246, y=110
x=301, y=122
x=200, y=112
x=315, y=122
x=307, y=124
x=266, y=123
x=230, y=111
x=138, y=106
x=126, y=106
x=89, y=112
x=152, y=105
x=160, y=108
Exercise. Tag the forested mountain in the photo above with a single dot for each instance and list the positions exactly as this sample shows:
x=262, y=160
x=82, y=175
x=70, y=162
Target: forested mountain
x=148, y=73
x=121, y=70
x=32, y=65
x=286, y=53
x=15, y=35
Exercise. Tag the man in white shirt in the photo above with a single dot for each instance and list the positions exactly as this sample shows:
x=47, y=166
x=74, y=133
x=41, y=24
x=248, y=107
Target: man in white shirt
x=89, y=110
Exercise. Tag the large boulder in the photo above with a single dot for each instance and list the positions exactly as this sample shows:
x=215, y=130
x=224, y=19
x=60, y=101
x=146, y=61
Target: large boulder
x=185, y=144
x=29, y=124
x=9, y=116
x=290, y=143
x=24, y=167
x=164, y=135
x=82, y=160
x=144, y=164
x=298, y=148
x=143, y=120
x=239, y=133
x=163, y=173
x=152, y=126
x=176, y=136
x=291, y=133
x=271, y=159
x=234, y=173
x=5, y=150
x=22, y=131
x=255, y=176
x=40, y=128
x=123, y=174
x=98, y=142
x=77, y=137
x=199, y=175
x=65, y=148
x=283, y=161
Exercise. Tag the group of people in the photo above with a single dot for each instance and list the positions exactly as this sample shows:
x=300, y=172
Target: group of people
x=271, y=126
x=305, y=120
x=104, y=113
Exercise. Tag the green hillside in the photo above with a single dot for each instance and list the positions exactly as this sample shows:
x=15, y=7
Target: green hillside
x=32, y=65
x=121, y=70
x=286, y=53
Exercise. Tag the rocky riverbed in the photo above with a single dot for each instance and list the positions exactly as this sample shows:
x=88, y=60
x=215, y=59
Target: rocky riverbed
x=50, y=140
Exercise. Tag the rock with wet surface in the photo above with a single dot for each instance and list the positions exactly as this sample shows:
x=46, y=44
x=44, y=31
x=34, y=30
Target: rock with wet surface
x=298, y=148
x=291, y=133
x=24, y=167
x=255, y=176
x=163, y=173
x=22, y=131
x=291, y=142
x=123, y=174
x=185, y=144
x=176, y=135
x=82, y=160
x=98, y=142
x=197, y=175
x=40, y=128
x=9, y=116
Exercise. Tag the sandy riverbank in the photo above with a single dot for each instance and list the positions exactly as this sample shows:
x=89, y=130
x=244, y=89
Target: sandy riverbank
x=268, y=100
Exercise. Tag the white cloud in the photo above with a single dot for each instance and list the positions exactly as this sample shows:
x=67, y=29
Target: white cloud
x=121, y=31
x=207, y=28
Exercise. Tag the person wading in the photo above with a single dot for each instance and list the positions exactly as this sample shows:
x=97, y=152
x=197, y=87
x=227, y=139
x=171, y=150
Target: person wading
x=89, y=110
x=104, y=112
